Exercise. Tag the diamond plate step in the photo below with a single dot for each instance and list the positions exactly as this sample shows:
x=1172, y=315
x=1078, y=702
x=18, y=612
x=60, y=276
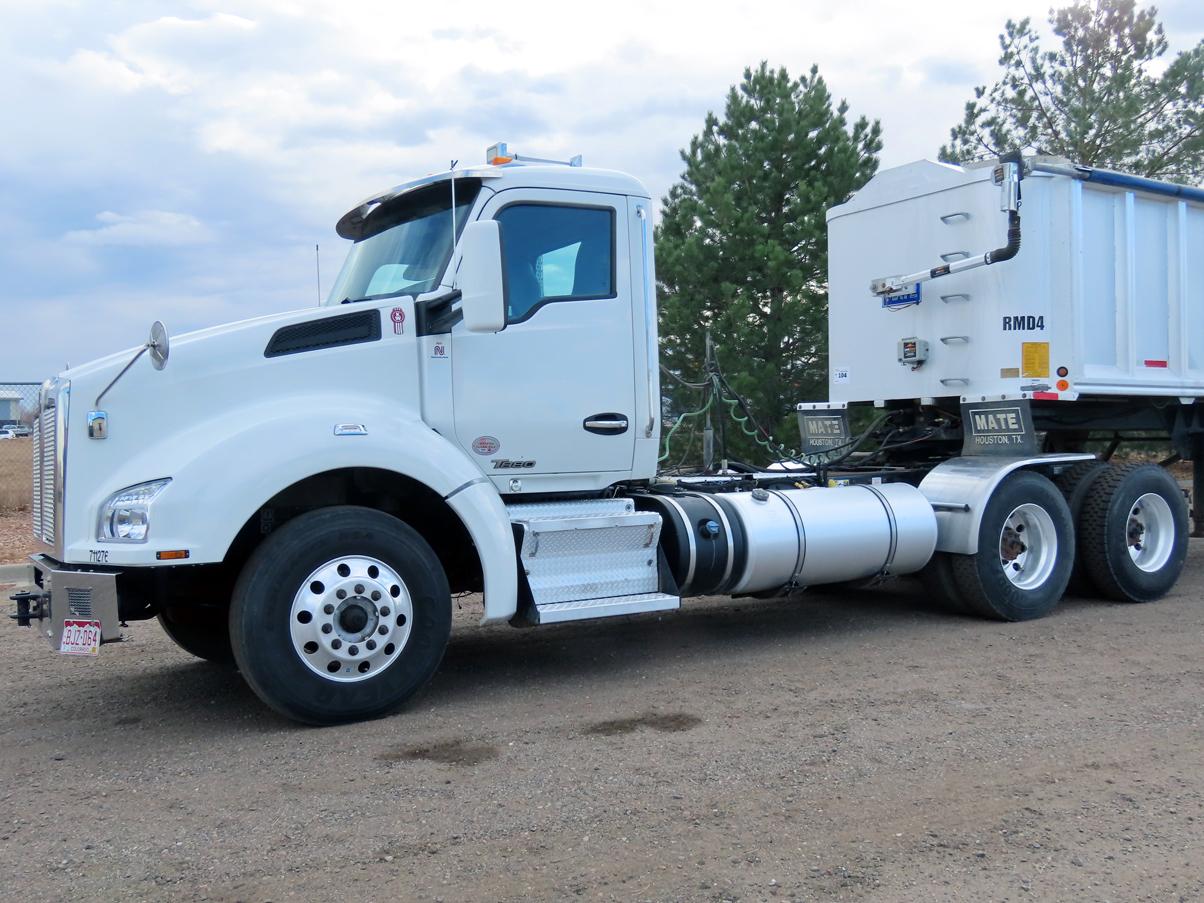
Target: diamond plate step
x=589, y=549
x=583, y=609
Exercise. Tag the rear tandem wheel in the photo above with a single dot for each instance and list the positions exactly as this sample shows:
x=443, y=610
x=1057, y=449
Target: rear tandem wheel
x=1025, y=552
x=1134, y=533
x=1075, y=483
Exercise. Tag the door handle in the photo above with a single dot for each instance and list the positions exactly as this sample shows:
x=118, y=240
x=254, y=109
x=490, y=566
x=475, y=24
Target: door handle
x=605, y=424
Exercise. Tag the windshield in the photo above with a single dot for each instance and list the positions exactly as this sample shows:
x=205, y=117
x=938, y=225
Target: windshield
x=406, y=245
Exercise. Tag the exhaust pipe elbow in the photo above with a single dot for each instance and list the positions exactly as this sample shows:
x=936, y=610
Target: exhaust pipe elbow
x=1008, y=251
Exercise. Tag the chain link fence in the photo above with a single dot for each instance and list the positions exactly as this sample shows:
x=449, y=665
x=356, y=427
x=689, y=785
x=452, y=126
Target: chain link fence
x=18, y=408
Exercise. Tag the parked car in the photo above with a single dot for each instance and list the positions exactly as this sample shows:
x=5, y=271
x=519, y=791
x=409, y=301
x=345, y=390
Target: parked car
x=19, y=430
x=7, y=434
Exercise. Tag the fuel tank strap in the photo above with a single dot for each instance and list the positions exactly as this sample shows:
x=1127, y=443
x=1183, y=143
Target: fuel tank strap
x=725, y=580
x=894, y=528
x=692, y=542
x=802, y=535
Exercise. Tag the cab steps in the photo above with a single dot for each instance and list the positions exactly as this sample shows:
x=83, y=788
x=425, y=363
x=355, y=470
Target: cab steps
x=595, y=558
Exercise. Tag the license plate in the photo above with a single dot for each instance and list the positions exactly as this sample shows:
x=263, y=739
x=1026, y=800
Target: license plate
x=80, y=638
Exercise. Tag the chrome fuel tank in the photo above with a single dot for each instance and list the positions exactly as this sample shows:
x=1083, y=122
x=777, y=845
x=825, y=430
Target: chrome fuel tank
x=748, y=542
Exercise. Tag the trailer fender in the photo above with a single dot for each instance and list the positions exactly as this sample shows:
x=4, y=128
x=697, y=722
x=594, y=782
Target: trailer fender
x=959, y=489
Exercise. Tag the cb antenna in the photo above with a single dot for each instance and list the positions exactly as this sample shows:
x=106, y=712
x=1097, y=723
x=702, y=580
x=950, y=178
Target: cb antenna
x=452, y=168
x=318, y=273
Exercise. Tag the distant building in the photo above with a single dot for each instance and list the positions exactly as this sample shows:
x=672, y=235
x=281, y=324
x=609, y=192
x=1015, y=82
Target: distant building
x=10, y=405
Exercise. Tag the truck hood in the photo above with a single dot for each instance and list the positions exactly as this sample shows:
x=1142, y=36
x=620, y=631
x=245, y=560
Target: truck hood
x=109, y=365
x=230, y=379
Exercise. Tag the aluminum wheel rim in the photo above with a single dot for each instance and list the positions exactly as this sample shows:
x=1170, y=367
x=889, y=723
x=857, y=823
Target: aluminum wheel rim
x=1028, y=546
x=1150, y=532
x=351, y=618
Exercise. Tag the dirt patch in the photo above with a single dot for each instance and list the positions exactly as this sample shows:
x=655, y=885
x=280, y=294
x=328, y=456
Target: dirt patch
x=16, y=536
x=666, y=723
x=450, y=752
x=856, y=746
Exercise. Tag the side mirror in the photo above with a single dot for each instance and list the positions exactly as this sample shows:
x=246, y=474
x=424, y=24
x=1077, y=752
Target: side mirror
x=480, y=280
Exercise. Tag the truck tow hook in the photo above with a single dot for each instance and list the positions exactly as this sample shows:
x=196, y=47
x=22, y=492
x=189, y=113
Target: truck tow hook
x=29, y=606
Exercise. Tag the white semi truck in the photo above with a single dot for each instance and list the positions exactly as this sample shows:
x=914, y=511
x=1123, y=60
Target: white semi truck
x=478, y=408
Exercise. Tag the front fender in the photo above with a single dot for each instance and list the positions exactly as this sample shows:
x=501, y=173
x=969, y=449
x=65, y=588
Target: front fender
x=480, y=509
x=223, y=470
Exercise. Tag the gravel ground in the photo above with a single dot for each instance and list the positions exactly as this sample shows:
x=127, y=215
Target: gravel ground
x=16, y=537
x=858, y=747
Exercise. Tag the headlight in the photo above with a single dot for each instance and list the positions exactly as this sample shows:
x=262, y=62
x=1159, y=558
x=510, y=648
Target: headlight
x=125, y=515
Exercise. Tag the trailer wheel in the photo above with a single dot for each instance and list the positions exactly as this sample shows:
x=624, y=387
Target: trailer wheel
x=202, y=631
x=1074, y=484
x=1025, y=552
x=1134, y=533
x=340, y=615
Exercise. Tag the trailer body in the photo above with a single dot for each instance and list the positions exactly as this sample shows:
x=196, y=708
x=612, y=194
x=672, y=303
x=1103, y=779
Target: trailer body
x=1108, y=289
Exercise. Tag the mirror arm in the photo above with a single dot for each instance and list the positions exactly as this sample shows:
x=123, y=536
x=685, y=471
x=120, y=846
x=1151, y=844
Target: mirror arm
x=133, y=360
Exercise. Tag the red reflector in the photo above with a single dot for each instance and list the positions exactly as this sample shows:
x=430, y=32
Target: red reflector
x=1046, y=396
x=1154, y=363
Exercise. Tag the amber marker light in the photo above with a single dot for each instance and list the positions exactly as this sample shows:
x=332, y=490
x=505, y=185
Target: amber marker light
x=1063, y=385
x=498, y=154
x=172, y=555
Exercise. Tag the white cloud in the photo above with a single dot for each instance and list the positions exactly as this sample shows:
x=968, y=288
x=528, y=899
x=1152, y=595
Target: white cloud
x=103, y=71
x=233, y=133
x=146, y=228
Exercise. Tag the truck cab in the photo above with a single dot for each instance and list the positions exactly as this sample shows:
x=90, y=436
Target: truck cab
x=573, y=296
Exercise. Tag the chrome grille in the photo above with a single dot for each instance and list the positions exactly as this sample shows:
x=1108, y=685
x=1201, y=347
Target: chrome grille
x=47, y=461
x=37, y=476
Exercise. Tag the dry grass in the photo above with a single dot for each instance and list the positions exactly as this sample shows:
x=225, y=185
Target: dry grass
x=16, y=480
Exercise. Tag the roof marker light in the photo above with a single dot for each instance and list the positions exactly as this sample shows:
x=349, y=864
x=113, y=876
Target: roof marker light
x=498, y=154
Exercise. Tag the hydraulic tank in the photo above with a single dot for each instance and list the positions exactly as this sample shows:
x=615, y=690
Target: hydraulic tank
x=767, y=539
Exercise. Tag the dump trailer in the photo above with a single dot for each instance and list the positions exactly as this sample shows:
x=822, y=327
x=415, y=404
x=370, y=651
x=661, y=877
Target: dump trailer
x=477, y=408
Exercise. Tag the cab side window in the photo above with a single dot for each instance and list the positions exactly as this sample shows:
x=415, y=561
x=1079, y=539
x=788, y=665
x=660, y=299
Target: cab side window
x=555, y=253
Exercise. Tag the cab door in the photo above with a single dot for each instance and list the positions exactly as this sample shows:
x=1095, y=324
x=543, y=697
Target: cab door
x=554, y=391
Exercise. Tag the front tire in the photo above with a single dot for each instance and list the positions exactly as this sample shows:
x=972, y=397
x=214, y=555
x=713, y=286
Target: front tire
x=199, y=630
x=340, y=615
x=1134, y=527
x=1025, y=552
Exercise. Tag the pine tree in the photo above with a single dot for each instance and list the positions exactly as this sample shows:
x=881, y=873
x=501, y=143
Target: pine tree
x=742, y=245
x=1096, y=99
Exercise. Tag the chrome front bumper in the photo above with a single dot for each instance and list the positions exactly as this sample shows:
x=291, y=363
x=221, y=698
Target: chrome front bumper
x=63, y=593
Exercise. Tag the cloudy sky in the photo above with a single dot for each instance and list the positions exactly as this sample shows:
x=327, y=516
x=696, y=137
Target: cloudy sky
x=181, y=160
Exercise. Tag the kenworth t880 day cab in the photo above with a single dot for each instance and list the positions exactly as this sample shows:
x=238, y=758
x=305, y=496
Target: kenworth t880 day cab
x=478, y=408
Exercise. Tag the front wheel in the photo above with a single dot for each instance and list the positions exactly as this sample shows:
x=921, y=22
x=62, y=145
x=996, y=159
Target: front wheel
x=1025, y=552
x=340, y=615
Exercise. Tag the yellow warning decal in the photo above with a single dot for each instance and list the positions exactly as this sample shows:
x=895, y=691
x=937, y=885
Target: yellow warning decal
x=1009, y=372
x=1034, y=359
